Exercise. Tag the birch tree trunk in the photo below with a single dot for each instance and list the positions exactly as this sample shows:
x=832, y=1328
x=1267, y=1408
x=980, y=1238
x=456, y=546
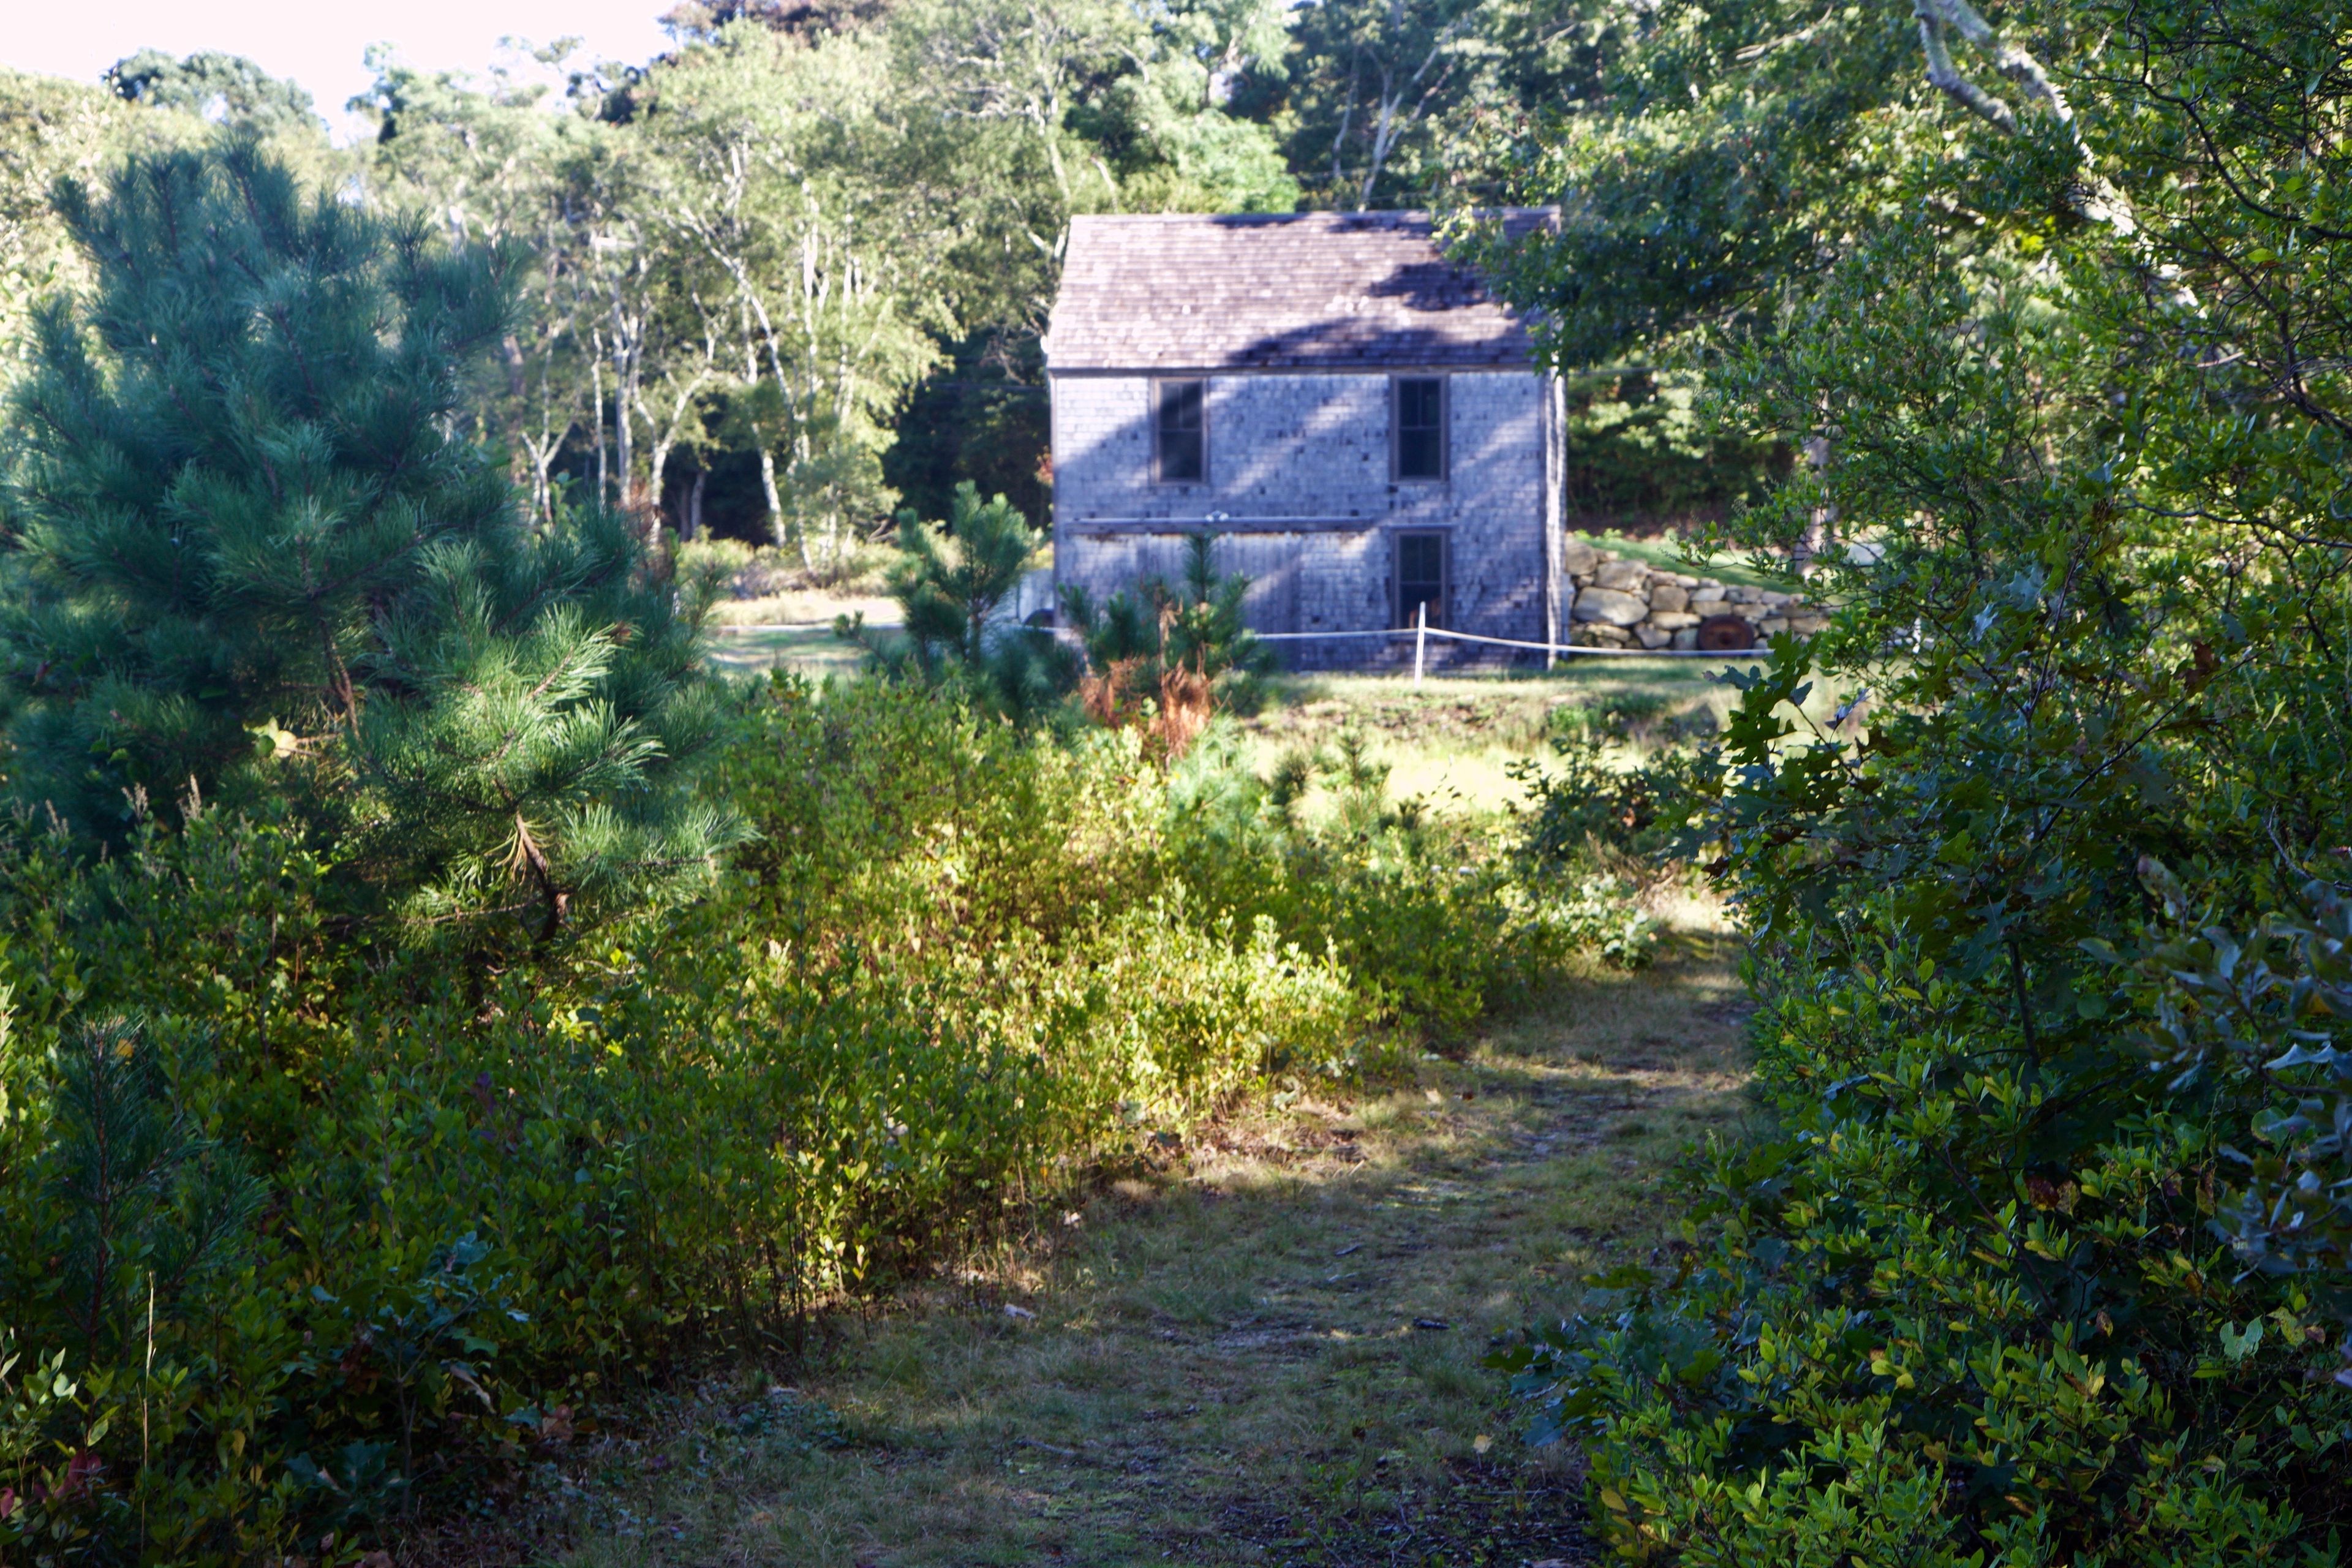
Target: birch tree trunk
x=596, y=388
x=775, y=501
x=624, y=376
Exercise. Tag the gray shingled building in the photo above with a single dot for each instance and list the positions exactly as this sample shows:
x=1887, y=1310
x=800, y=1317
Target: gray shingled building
x=1359, y=423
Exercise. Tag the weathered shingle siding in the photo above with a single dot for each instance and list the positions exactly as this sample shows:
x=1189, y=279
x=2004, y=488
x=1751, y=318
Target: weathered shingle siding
x=1297, y=324
x=1312, y=448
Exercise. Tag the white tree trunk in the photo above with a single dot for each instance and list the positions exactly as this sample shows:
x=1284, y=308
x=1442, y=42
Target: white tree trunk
x=596, y=385
x=775, y=501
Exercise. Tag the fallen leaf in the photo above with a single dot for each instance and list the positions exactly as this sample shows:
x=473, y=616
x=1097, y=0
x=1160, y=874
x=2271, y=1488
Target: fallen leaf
x=1012, y=1312
x=1481, y=1443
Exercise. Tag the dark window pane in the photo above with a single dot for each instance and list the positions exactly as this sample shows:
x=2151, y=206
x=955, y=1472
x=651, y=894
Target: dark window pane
x=1421, y=576
x=1421, y=428
x=1420, y=456
x=1179, y=454
x=1419, y=401
x=1180, y=405
x=1181, y=447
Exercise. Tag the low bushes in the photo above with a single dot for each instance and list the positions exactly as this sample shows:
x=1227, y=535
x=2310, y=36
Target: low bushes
x=309, y=1231
x=526, y=1011
x=2040, y=1255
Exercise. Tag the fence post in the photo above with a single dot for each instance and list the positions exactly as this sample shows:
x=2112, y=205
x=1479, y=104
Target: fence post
x=1419, y=637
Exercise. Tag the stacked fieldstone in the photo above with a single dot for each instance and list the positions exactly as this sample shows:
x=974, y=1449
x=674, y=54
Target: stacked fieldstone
x=1623, y=602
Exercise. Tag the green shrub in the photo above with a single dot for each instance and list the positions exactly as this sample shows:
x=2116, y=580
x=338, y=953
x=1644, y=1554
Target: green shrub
x=950, y=580
x=2043, y=1257
x=308, y=1235
x=1195, y=624
x=1580, y=808
x=2038, y=1256
x=1437, y=917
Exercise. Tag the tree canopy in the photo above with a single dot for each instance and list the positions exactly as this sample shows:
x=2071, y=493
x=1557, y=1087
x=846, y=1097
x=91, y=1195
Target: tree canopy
x=794, y=272
x=2048, y=921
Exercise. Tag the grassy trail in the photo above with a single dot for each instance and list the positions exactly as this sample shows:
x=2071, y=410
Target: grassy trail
x=1266, y=1352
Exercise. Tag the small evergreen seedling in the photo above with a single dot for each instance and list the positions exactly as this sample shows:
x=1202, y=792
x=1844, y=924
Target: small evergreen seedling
x=949, y=587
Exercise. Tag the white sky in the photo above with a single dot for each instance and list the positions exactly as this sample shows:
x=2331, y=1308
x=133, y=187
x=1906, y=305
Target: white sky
x=317, y=42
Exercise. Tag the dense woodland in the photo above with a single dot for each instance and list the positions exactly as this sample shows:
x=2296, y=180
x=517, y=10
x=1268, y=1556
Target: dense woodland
x=795, y=272
x=433, y=1005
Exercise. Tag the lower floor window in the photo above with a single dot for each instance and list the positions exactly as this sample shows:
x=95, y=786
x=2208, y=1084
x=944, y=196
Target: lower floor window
x=1420, y=577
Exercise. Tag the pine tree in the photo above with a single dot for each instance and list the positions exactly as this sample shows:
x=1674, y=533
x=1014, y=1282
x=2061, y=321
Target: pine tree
x=949, y=587
x=1195, y=624
x=261, y=557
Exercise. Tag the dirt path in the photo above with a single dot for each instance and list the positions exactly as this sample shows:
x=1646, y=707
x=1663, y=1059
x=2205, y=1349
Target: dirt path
x=1269, y=1354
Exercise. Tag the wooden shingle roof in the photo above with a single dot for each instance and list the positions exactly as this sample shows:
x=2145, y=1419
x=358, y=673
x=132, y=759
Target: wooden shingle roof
x=1297, y=291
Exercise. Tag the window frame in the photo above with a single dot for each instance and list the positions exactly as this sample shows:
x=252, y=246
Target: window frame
x=1160, y=429
x=1443, y=427
x=1441, y=607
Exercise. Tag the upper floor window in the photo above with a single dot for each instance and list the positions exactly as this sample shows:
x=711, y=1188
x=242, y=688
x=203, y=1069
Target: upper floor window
x=1180, y=433
x=1418, y=428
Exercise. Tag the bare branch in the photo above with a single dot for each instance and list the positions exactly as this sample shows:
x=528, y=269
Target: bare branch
x=2092, y=197
x=2017, y=64
x=1946, y=78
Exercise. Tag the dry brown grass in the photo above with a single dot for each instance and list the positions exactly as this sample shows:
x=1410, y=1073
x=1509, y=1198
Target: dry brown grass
x=1268, y=1353
x=1170, y=713
x=804, y=608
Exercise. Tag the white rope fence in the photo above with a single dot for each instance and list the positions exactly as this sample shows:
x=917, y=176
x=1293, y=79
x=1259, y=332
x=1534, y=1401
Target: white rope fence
x=1555, y=649
x=1421, y=631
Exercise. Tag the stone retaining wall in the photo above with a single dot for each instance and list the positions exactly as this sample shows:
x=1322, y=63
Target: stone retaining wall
x=1622, y=603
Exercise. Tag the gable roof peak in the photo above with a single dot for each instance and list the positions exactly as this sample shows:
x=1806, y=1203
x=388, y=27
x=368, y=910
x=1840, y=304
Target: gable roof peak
x=1278, y=291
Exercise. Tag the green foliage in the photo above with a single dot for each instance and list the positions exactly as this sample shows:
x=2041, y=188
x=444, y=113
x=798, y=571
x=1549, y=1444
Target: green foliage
x=152, y=1211
x=949, y=584
x=48, y=128
x=1435, y=916
x=1580, y=809
x=1193, y=625
x=308, y=1236
x=227, y=89
x=2040, y=1259
x=257, y=556
x=381, y=1215
x=1642, y=445
x=950, y=590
